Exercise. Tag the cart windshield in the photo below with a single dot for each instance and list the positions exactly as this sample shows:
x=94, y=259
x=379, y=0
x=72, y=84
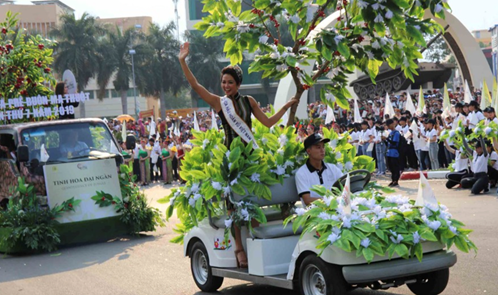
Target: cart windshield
x=62, y=142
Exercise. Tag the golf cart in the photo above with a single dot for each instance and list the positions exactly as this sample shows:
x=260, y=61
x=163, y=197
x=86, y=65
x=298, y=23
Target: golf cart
x=280, y=257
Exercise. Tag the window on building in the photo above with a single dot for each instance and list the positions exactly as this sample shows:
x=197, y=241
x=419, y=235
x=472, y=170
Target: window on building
x=92, y=94
x=478, y=34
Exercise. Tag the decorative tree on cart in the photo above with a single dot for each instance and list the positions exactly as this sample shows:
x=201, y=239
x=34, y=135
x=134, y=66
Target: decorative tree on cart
x=366, y=34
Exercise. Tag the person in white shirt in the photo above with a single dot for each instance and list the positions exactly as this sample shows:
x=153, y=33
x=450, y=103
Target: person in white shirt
x=490, y=115
x=460, y=167
x=475, y=116
x=479, y=166
x=431, y=137
x=365, y=138
x=380, y=148
x=315, y=171
x=492, y=165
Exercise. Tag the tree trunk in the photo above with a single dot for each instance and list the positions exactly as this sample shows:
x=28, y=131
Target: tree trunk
x=81, y=106
x=124, y=100
x=162, y=104
x=293, y=109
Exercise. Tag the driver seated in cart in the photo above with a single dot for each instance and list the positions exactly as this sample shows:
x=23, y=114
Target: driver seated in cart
x=315, y=171
x=72, y=146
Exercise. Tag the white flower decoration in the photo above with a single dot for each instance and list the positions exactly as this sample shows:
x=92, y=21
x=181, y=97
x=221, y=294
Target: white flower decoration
x=438, y=8
x=242, y=27
x=396, y=238
x=220, y=24
x=416, y=237
x=274, y=55
x=362, y=4
x=263, y=39
x=488, y=130
x=330, y=97
x=216, y=185
x=195, y=187
x=245, y=214
x=338, y=155
x=295, y=18
x=280, y=170
x=312, y=8
x=389, y=14
x=324, y=216
x=452, y=133
x=338, y=38
x=376, y=45
x=233, y=182
x=226, y=190
x=434, y=225
x=333, y=237
x=333, y=145
x=349, y=166
x=191, y=202
x=375, y=6
x=365, y=242
x=300, y=211
x=228, y=223
x=282, y=139
x=288, y=164
x=255, y=177
x=205, y=142
x=453, y=230
x=281, y=67
x=340, y=166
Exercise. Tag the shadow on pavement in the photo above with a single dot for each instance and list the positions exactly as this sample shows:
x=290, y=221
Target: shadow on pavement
x=251, y=289
x=19, y=267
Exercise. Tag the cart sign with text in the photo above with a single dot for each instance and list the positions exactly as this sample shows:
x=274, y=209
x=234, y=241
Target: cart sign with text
x=82, y=180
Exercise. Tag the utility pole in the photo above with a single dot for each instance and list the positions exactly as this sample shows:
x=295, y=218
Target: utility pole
x=132, y=53
x=177, y=20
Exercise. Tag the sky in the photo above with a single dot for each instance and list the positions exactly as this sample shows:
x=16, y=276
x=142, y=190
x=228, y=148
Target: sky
x=475, y=15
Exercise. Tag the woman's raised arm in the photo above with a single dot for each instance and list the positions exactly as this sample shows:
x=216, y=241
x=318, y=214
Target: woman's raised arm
x=212, y=99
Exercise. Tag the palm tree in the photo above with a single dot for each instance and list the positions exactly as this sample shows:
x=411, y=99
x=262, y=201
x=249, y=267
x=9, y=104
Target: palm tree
x=159, y=72
x=115, y=63
x=77, y=48
x=205, y=54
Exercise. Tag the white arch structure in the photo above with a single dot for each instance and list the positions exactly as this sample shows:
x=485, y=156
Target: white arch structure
x=471, y=61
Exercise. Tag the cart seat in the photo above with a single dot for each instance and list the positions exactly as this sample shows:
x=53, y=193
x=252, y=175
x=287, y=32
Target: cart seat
x=275, y=229
x=271, y=214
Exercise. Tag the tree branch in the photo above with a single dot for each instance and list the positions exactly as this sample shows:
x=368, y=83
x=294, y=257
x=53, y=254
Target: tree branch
x=320, y=71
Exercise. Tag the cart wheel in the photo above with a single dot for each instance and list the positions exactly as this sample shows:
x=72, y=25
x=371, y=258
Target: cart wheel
x=201, y=271
x=316, y=277
x=432, y=283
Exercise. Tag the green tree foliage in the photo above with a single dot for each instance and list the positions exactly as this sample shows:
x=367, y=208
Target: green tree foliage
x=204, y=60
x=24, y=63
x=159, y=72
x=115, y=62
x=78, y=48
x=367, y=33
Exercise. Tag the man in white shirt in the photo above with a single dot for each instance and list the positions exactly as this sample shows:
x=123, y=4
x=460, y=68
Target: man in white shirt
x=315, y=171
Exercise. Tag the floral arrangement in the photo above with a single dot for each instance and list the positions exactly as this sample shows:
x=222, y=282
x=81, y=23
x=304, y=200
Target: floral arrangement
x=379, y=224
x=213, y=172
x=135, y=212
x=32, y=224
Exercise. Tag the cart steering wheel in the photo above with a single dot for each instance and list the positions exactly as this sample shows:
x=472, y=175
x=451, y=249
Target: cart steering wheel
x=358, y=180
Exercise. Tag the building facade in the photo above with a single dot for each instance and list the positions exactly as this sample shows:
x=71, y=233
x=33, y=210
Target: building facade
x=494, y=49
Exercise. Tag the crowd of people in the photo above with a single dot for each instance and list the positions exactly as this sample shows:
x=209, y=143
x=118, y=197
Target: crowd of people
x=164, y=142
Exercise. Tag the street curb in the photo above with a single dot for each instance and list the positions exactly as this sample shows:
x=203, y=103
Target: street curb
x=429, y=175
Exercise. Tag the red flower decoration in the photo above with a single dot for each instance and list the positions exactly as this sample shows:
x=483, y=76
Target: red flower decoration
x=360, y=39
x=70, y=205
x=47, y=70
x=4, y=31
x=306, y=86
x=251, y=26
x=41, y=46
x=103, y=199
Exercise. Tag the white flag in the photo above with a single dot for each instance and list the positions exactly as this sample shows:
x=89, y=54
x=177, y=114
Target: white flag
x=346, y=196
x=43, y=154
x=214, y=125
x=388, y=108
x=425, y=193
x=285, y=118
x=196, y=123
x=330, y=116
x=357, y=116
x=152, y=127
x=123, y=131
x=467, y=95
x=409, y=106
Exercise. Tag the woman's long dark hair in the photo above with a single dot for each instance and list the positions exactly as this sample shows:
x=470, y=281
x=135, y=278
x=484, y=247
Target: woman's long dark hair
x=59, y=88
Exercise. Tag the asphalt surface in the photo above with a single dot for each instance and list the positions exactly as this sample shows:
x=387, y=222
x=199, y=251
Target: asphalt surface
x=150, y=264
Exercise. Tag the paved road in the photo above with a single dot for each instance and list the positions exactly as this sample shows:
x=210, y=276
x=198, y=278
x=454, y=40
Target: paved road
x=149, y=264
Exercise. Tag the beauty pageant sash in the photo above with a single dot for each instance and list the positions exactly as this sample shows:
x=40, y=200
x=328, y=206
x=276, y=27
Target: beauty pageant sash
x=238, y=125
